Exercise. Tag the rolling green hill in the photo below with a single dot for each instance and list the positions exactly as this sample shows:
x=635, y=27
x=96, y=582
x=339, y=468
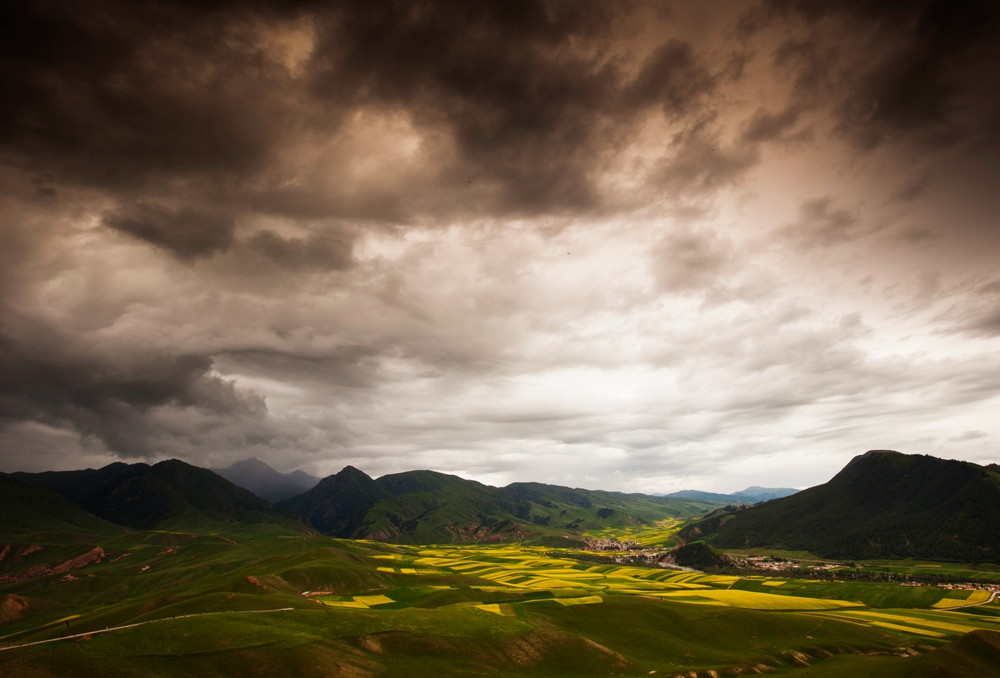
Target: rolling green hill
x=883, y=504
x=266, y=601
x=170, y=494
x=430, y=507
x=80, y=596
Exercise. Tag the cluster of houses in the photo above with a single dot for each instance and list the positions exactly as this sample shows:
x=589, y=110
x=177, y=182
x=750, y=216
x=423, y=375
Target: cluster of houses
x=612, y=544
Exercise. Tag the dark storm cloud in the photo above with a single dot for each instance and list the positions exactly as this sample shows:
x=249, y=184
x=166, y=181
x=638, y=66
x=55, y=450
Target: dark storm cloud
x=415, y=225
x=109, y=396
x=700, y=162
x=919, y=74
x=186, y=232
x=116, y=95
x=766, y=126
x=354, y=367
x=521, y=87
x=673, y=77
x=517, y=106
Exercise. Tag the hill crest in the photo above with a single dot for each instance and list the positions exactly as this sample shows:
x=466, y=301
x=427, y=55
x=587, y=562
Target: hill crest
x=882, y=504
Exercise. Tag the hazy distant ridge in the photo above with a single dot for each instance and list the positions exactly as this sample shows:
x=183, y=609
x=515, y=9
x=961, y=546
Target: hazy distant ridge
x=254, y=475
x=750, y=495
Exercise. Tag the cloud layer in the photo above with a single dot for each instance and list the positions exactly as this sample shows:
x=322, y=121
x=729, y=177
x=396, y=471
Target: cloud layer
x=635, y=246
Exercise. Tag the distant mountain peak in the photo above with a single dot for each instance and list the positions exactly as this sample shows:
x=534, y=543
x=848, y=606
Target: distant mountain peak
x=261, y=479
x=171, y=492
x=251, y=462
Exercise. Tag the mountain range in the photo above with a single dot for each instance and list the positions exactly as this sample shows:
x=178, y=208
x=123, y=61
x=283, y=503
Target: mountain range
x=426, y=506
x=883, y=504
x=409, y=507
x=170, y=494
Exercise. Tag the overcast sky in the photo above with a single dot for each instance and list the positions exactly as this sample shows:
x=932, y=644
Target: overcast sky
x=634, y=246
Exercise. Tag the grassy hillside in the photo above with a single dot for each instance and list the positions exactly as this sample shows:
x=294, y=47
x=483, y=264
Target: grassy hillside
x=882, y=504
x=29, y=511
x=260, y=600
x=429, y=507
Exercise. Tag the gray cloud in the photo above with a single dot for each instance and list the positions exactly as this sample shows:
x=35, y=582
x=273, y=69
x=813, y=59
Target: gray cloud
x=322, y=251
x=186, y=232
x=112, y=398
x=700, y=163
x=490, y=237
x=822, y=224
x=672, y=77
x=916, y=72
x=968, y=435
x=766, y=126
x=691, y=261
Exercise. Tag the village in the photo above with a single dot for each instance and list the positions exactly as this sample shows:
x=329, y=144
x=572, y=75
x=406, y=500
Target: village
x=633, y=553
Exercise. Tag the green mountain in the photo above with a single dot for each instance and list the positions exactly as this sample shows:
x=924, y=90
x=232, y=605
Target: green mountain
x=170, y=494
x=429, y=507
x=883, y=504
x=337, y=504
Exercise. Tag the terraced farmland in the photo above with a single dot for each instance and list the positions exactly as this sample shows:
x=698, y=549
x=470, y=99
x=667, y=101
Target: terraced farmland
x=356, y=608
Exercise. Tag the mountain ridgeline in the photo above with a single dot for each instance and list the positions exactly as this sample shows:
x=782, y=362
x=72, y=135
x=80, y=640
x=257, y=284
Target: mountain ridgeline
x=167, y=495
x=425, y=506
x=883, y=504
x=410, y=507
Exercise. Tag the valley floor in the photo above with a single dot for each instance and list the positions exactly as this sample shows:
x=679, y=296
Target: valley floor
x=162, y=603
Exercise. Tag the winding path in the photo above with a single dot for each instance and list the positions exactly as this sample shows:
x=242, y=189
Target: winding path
x=993, y=596
x=132, y=626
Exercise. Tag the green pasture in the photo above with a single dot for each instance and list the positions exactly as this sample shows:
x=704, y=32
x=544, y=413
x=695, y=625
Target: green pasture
x=261, y=600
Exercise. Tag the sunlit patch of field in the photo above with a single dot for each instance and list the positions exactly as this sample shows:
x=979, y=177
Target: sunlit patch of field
x=524, y=567
x=925, y=620
x=490, y=607
x=961, y=598
x=756, y=601
x=583, y=600
x=458, y=610
x=512, y=580
x=659, y=534
x=344, y=603
x=356, y=602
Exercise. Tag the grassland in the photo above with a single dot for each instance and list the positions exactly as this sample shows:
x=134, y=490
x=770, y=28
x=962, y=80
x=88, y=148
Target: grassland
x=262, y=600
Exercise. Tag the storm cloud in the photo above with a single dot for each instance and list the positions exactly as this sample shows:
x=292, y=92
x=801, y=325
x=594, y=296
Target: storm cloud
x=673, y=245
